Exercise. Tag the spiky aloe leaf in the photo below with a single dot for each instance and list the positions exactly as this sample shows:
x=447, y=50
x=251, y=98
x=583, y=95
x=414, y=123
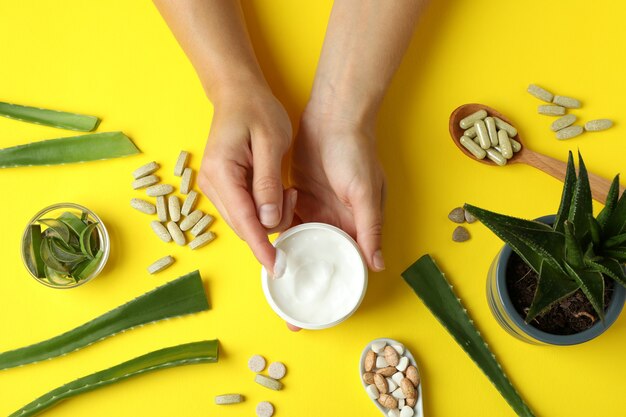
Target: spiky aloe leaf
x=619, y=253
x=431, y=286
x=573, y=251
x=592, y=284
x=533, y=241
x=581, y=207
x=596, y=231
x=187, y=354
x=611, y=202
x=609, y=267
x=616, y=223
x=568, y=193
x=53, y=118
x=552, y=286
x=182, y=296
x=615, y=241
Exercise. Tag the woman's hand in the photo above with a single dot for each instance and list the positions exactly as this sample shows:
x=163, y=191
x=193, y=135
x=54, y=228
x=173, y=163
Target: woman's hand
x=241, y=168
x=339, y=179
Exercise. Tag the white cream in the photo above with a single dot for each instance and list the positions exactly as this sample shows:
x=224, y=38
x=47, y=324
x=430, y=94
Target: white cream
x=324, y=280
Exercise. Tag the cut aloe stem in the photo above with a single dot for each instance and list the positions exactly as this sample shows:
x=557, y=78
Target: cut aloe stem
x=187, y=354
x=430, y=284
x=53, y=118
x=91, y=147
x=182, y=296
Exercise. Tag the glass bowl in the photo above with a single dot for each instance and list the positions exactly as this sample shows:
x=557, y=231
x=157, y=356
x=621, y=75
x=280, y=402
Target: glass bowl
x=75, y=217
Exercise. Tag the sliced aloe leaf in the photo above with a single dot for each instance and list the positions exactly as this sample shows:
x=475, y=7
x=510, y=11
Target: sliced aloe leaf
x=91, y=147
x=73, y=222
x=64, y=253
x=85, y=240
x=57, y=278
x=49, y=259
x=182, y=296
x=187, y=354
x=431, y=286
x=52, y=118
x=86, y=268
x=57, y=227
x=34, y=250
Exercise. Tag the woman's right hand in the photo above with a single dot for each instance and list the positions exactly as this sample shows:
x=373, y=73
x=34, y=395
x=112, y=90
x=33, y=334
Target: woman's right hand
x=241, y=168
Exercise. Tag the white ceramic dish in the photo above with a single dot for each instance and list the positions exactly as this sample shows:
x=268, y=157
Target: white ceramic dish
x=418, y=410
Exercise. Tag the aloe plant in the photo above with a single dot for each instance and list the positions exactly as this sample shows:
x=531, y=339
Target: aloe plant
x=53, y=118
x=577, y=251
x=430, y=284
x=83, y=148
x=187, y=354
x=182, y=296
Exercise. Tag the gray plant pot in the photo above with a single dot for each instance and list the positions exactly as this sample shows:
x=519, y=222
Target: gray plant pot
x=505, y=313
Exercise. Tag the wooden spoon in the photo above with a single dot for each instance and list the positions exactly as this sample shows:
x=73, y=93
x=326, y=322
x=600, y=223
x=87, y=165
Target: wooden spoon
x=599, y=186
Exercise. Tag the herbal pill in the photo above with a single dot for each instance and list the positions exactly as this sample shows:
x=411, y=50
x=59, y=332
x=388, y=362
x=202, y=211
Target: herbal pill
x=398, y=393
x=398, y=348
x=406, y=411
x=496, y=156
x=473, y=147
x=460, y=234
x=378, y=347
x=189, y=203
x=264, y=409
x=491, y=128
x=142, y=205
x=161, y=231
x=482, y=134
x=563, y=122
x=515, y=145
x=505, y=144
x=540, y=93
x=469, y=121
x=160, y=264
x=181, y=163
x=185, y=182
x=159, y=189
x=191, y=220
x=268, y=382
x=228, y=399
x=256, y=363
x=161, y=208
x=397, y=377
x=567, y=102
x=401, y=403
x=569, y=132
x=145, y=182
x=147, y=169
x=597, y=125
x=501, y=124
x=202, y=240
x=470, y=133
x=176, y=233
x=551, y=110
x=372, y=391
x=404, y=362
x=174, y=207
x=202, y=225
x=469, y=217
x=277, y=370
x=391, y=385
x=381, y=362
x=457, y=215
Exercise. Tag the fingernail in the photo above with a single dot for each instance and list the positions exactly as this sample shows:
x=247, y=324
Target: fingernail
x=379, y=262
x=280, y=264
x=269, y=215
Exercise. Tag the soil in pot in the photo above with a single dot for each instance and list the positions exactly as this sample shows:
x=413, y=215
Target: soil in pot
x=570, y=315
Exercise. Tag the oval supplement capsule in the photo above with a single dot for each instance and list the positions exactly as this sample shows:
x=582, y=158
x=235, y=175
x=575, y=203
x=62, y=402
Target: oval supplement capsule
x=473, y=147
x=189, y=203
x=186, y=181
x=505, y=144
x=161, y=231
x=496, y=156
x=174, y=207
x=598, y=125
x=181, y=163
x=144, y=182
x=202, y=225
x=142, y=205
x=501, y=124
x=161, y=264
x=551, y=110
x=515, y=145
x=191, y=220
x=159, y=189
x=569, y=132
x=469, y=121
x=540, y=93
x=161, y=208
x=202, y=240
x=470, y=133
x=147, y=169
x=563, y=122
x=482, y=134
x=491, y=128
x=567, y=102
x=176, y=233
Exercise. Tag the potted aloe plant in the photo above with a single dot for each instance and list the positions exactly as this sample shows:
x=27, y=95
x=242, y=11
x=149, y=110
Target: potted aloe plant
x=560, y=279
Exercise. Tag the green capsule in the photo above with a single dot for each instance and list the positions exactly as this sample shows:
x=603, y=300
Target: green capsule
x=563, y=122
x=501, y=124
x=496, y=156
x=551, y=110
x=569, y=132
x=471, y=146
x=540, y=93
x=469, y=121
x=490, y=122
x=470, y=133
x=515, y=145
x=482, y=134
x=567, y=102
x=505, y=144
x=597, y=125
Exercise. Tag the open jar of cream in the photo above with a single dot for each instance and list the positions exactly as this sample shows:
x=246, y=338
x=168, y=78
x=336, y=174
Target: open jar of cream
x=325, y=277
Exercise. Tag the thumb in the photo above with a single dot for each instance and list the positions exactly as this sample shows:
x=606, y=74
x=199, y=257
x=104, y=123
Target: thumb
x=368, y=221
x=267, y=185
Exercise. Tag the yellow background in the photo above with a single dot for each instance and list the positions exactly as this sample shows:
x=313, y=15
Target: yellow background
x=117, y=59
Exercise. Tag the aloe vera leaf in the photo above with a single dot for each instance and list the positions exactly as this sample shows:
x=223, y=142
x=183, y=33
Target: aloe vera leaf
x=72, y=221
x=573, y=251
x=206, y=351
x=596, y=231
x=568, y=192
x=86, y=268
x=581, y=207
x=57, y=227
x=34, y=250
x=592, y=284
x=611, y=202
x=91, y=147
x=616, y=223
x=85, y=239
x=430, y=284
x=182, y=296
x=63, y=253
x=619, y=254
x=615, y=241
x=49, y=259
x=552, y=286
x=52, y=118
x=611, y=268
